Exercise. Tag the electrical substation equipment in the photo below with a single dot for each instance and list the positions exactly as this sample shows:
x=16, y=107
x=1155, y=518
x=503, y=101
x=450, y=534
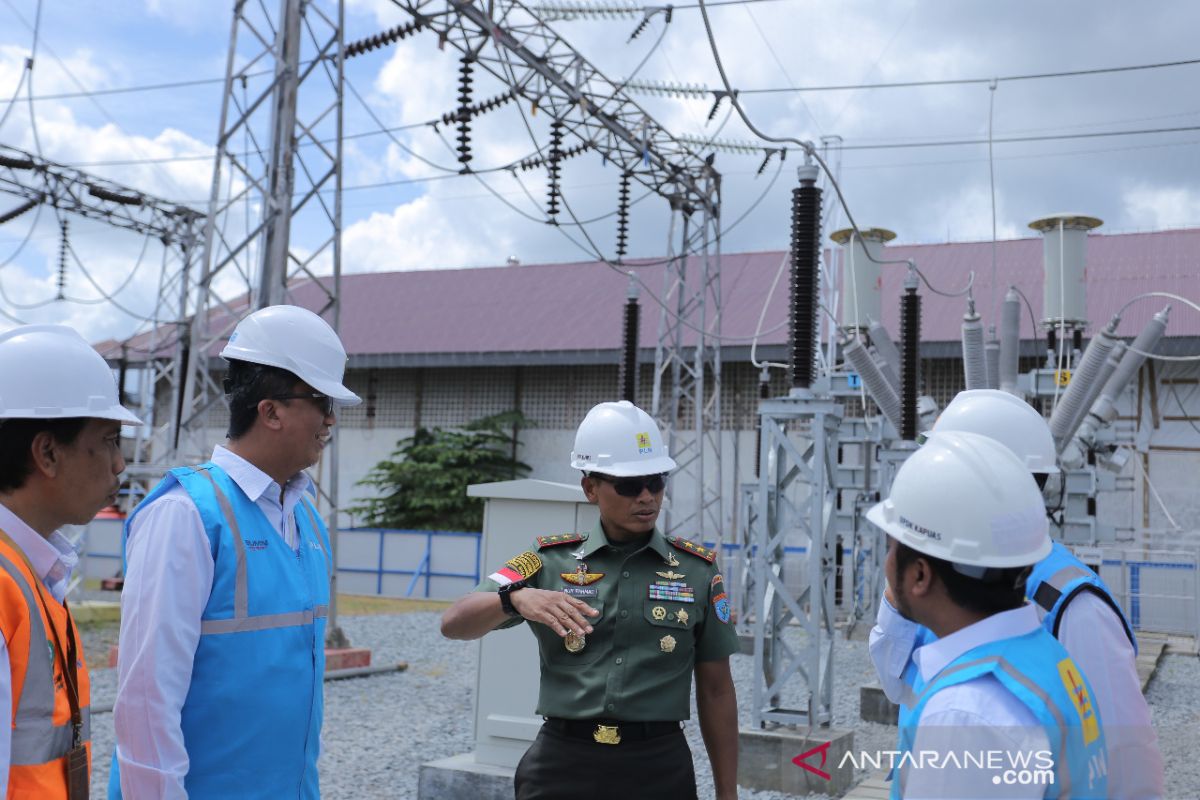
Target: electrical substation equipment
x=588, y=112
x=860, y=292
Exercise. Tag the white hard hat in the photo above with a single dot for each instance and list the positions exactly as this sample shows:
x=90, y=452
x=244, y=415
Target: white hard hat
x=965, y=498
x=621, y=440
x=51, y=372
x=295, y=339
x=1006, y=418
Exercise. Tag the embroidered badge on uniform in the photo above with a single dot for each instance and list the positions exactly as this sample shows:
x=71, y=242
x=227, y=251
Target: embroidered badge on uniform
x=721, y=606
x=523, y=566
x=716, y=579
x=581, y=577
x=675, y=591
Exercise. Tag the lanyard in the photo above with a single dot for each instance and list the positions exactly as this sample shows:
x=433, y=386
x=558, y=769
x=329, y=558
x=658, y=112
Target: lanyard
x=69, y=653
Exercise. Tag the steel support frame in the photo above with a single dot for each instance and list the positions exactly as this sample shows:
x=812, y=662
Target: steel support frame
x=796, y=496
x=279, y=155
x=179, y=229
x=689, y=409
x=512, y=43
x=278, y=160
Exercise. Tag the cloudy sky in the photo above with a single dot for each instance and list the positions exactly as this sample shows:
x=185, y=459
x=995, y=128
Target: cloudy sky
x=897, y=169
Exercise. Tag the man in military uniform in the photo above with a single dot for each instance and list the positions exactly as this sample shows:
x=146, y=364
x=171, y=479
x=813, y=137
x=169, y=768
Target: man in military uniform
x=623, y=616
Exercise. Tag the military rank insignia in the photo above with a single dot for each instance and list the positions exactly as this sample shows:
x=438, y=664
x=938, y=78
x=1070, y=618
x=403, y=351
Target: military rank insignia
x=557, y=539
x=523, y=566
x=697, y=550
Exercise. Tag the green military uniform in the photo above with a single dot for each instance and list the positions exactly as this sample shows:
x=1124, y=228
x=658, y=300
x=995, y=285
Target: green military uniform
x=662, y=607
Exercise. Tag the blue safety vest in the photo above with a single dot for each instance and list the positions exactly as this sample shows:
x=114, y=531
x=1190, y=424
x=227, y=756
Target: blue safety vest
x=1040, y=673
x=1057, y=579
x=252, y=718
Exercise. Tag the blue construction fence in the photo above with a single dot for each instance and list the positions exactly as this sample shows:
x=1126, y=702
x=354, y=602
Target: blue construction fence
x=1159, y=590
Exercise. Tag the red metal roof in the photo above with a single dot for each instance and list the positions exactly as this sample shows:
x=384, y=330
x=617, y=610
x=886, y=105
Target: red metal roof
x=578, y=306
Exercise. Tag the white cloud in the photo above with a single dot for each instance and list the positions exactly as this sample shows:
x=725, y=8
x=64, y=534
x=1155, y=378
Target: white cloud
x=1154, y=207
x=420, y=235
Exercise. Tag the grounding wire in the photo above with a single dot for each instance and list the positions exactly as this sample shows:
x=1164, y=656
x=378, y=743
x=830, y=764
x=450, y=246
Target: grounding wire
x=992, y=183
x=811, y=151
x=1169, y=296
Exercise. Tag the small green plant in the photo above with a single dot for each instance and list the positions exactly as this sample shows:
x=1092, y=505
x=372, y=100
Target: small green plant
x=423, y=485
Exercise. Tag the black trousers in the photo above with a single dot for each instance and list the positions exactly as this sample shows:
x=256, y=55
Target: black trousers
x=560, y=767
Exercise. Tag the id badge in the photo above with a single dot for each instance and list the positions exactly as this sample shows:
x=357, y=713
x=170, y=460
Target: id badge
x=77, y=773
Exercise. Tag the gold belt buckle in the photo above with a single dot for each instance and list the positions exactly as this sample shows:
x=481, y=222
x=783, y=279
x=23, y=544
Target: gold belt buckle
x=607, y=734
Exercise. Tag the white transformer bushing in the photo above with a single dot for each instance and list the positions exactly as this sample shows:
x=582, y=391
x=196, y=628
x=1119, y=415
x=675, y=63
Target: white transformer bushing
x=1064, y=255
x=862, y=278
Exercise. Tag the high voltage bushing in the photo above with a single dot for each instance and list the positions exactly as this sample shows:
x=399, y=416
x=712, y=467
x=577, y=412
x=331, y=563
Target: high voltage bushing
x=910, y=357
x=1010, y=342
x=1070, y=409
x=18, y=211
x=764, y=391
x=475, y=109
x=386, y=37
x=62, y=259
x=629, y=345
x=533, y=162
x=878, y=386
x=464, y=109
x=623, y=214
x=974, y=364
x=991, y=356
x=805, y=252
x=553, y=166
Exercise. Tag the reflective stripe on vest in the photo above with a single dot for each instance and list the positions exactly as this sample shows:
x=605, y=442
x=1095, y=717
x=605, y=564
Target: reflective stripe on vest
x=242, y=621
x=35, y=737
x=1052, y=592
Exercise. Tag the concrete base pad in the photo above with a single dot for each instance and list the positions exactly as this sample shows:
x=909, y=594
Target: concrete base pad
x=765, y=760
x=874, y=706
x=461, y=777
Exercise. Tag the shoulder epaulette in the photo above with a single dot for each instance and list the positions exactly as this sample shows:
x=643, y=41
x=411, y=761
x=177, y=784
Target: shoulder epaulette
x=559, y=538
x=697, y=550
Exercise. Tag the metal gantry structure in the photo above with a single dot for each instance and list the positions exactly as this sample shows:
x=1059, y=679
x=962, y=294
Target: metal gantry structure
x=178, y=228
x=278, y=161
x=591, y=113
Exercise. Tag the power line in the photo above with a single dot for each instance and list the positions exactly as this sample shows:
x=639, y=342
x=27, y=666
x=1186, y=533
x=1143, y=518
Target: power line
x=661, y=87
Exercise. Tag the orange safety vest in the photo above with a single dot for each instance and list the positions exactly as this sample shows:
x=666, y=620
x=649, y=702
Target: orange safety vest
x=41, y=711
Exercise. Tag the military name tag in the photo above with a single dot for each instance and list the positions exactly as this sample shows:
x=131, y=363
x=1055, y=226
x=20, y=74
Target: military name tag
x=581, y=591
x=675, y=591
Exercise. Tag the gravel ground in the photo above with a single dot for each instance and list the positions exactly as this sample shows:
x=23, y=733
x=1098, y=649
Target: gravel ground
x=378, y=730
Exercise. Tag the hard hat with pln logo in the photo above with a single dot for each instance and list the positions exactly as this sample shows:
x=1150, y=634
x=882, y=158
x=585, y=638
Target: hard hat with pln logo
x=621, y=440
x=297, y=340
x=51, y=372
x=1006, y=418
x=967, y=499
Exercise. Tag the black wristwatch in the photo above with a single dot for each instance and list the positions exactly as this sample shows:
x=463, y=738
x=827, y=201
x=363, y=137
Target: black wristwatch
x=506, y=597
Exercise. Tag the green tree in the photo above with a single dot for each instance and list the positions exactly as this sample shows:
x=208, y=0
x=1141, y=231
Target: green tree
x=423, y=485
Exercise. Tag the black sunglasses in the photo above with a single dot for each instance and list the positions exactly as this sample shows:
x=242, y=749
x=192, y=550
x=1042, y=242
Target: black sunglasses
x=632, y=487
x=321, y=401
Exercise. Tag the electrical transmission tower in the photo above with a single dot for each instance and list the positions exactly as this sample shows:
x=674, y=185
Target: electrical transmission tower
x=590, y=112
x=178, y=228
x=277, y=169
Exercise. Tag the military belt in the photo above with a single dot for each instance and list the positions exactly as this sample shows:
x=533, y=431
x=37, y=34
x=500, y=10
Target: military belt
x=612, y=731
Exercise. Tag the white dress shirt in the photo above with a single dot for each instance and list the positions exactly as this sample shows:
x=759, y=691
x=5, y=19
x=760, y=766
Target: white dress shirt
x=53, y=562
x=975, y=717
x=1095, y=637
x=168, y=579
